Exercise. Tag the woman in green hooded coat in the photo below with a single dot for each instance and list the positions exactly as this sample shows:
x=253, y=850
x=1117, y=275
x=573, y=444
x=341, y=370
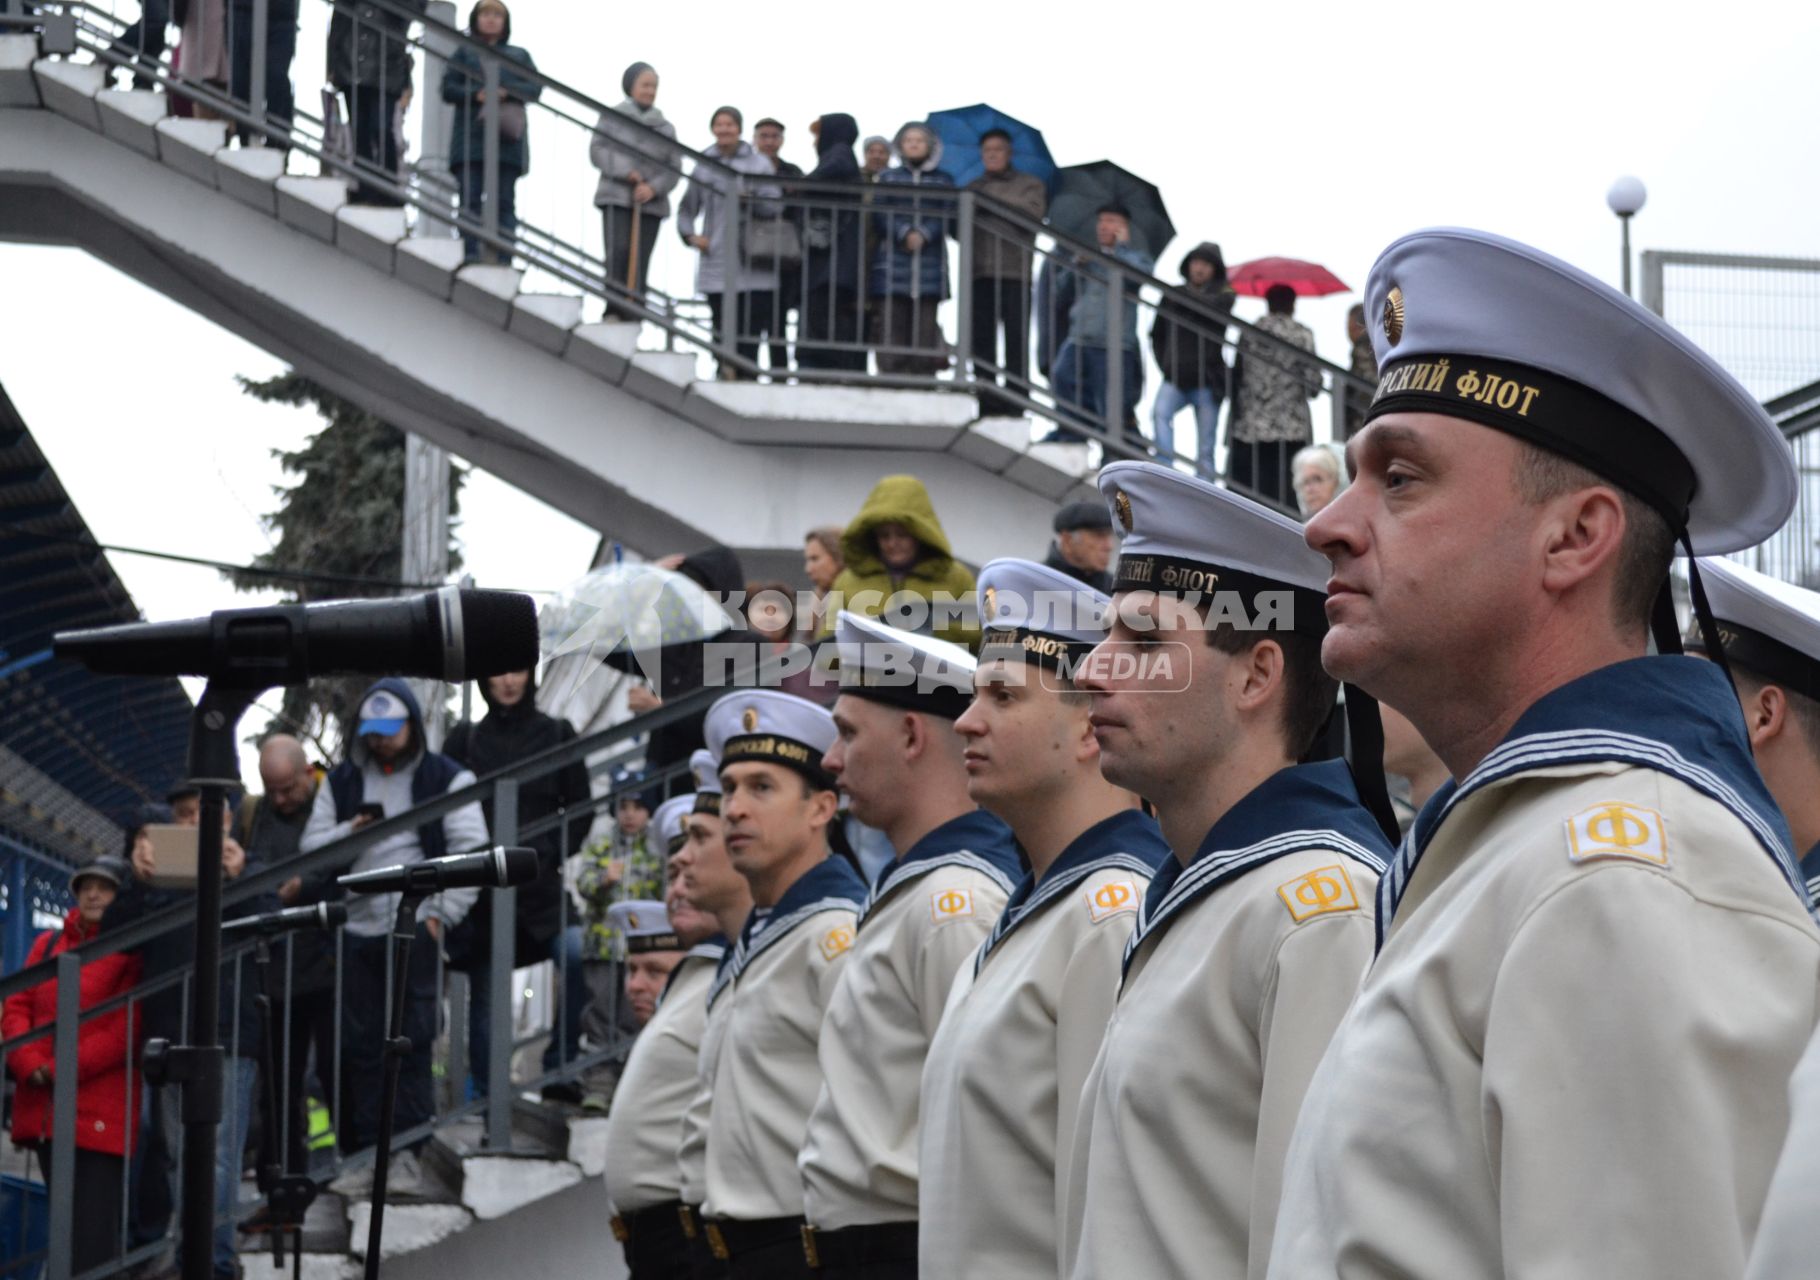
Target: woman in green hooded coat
x=897, y=545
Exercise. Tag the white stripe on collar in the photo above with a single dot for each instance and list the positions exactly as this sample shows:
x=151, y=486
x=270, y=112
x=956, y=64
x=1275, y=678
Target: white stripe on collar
x=909, y=871
x=1049, y=890
x=769, y=933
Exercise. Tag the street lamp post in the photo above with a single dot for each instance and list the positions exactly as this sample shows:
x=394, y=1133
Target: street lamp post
x=1625, y=198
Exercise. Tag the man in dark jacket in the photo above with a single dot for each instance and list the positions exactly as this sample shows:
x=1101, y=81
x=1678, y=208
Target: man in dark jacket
x=370, y=65
x=1189, y=339
x=514, y=730
x=784, y=281
x=1001, y=273
x=1084, y=544
x=833, y=243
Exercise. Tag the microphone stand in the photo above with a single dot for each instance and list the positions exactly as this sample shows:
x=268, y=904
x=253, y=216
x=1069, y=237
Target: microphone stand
x=397, y=1048
x=288, y=1195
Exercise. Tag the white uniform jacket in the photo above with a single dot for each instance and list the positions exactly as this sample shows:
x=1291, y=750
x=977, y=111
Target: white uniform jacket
x=1571, y=1055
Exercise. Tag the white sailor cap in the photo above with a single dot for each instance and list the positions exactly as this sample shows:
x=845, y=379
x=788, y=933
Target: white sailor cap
x=1183, y=535
x=768, y=726
x=668, y=821
x=1035, y=614
x=1474, y=326
x=899, y=668
x=1767, y=626
x=644, y=925
x=707, y=780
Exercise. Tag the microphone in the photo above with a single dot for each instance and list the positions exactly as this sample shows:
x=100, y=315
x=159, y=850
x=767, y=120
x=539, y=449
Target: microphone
x=323, y=915
x=496, y=868
x=452, y=634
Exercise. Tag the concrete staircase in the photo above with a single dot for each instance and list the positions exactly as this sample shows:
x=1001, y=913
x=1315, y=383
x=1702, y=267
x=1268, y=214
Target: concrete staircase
x=633, y=441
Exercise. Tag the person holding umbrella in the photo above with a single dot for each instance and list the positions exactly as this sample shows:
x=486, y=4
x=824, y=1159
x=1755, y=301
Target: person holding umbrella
x=1270, y=394
x=637, y=174
x=1002, y=251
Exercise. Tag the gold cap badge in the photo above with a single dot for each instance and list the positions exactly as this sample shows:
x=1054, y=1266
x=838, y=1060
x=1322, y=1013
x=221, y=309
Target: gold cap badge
x=1121, y=503
x=991, y=603
x=1393, y=315
x=748, y=719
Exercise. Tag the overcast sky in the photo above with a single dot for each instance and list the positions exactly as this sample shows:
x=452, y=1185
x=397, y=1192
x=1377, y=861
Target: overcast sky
x=1313, y=130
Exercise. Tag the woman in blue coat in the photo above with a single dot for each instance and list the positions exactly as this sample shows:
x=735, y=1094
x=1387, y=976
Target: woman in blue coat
x=910, y=264
x=464, y=85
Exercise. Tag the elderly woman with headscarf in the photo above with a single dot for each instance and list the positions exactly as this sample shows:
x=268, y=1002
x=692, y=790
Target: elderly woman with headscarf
x=910, y=262
x=633, y=150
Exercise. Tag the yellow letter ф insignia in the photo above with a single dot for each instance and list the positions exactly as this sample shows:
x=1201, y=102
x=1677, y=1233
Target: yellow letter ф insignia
x=836, y=940
x=1320, y=892
x=1110, y=899
x=950, y=904
x=1617, y=830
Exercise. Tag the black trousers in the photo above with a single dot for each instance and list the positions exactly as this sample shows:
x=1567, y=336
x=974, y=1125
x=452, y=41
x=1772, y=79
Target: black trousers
x=280, y=48
x=365, y=962
x=909, y=336
x=655, y=1246
x=370, y=114
x=99, y=1202
x=310, y=1016
x=831, y=330
x=753, y=318
x=1001, y=304
x=618, y=224
x=1260, y=468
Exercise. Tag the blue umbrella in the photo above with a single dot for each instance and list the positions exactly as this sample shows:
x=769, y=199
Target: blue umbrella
x=961, y=128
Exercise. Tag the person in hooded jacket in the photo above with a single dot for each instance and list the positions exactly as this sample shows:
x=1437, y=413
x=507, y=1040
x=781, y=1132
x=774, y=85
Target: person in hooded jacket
x=1188, y=339
x=896, y=544
x=369, y=64
x=701, y=220
x=512, y=730
x=910, y=264
x=833, y=244
x=464, y=86
x=637, y=173
x=389, y=767
x=107, y=1085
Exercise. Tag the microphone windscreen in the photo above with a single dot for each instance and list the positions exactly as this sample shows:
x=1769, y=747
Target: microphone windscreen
x=334, y=914
x=521, y=867
x=498, y=633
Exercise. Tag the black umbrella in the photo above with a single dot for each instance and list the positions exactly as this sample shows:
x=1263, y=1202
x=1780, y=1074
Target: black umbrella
x=1082, y=190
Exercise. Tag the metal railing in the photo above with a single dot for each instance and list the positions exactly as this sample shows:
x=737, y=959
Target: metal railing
x=804, y=281
x=130, y=1242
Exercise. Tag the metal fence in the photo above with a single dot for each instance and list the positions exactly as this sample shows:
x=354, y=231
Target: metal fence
x=794, y=280
x=1760, y=318
x=463, y=1090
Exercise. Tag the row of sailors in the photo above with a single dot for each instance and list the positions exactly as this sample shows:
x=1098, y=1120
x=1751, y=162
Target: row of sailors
x=1549, y=1034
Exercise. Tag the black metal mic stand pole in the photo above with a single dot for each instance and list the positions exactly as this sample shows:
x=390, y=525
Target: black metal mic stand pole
x=288, y=1195
x=197, y=1066
x=397, y=1048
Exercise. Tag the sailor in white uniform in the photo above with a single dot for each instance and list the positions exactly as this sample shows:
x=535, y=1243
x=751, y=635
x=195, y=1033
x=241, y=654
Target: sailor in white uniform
x=898, y=761
x=1253, y=935
x=758, y=1061
x=644, y=1125
x=1002, y=1086
x=1596, y=968
x=706, y=877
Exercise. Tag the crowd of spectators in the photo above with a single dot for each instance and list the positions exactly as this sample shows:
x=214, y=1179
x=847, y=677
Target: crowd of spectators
x=805, y=278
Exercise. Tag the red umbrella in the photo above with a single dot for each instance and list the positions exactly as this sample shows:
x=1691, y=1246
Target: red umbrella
x=1309, y=279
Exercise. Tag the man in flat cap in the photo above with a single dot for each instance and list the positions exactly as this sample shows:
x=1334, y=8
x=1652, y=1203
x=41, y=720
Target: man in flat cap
x=899, y=763
x=1251, y=938
x=1002, y=1086
x=765, y=1007
x=1596, y=967
x=1084, y=543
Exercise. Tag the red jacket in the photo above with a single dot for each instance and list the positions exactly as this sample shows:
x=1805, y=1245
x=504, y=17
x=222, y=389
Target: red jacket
x=106, y=1081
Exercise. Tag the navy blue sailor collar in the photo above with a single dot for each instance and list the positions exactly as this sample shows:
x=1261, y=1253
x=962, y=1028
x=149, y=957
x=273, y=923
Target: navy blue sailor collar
x=1127, y=841
x=1304, y=806
x=829, y=885
x=976, y=840
x=1810, y=871
x=1674, y=714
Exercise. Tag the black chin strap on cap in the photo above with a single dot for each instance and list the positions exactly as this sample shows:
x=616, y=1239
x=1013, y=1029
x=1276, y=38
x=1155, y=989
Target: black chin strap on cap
x=1662, y=625
x=1365, y=757
x=1703, y=612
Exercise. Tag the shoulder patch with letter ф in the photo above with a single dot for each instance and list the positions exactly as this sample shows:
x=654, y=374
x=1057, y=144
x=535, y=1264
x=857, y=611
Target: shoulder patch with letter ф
x=1110, y=899
x=1321, y=892
x=1617, y=830
x=950, y=904
x=836, y=940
